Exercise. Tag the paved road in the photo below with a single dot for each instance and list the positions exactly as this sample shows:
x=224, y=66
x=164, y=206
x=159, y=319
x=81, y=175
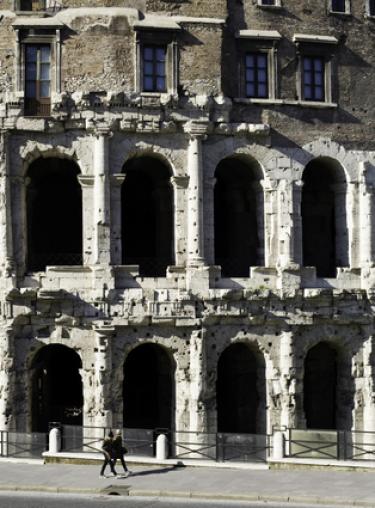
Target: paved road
x=40, y=500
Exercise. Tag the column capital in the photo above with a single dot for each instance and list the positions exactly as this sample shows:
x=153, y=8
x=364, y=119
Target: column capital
x=198, y=129
x=118, y=179
x=86, y=180
x=180, y=182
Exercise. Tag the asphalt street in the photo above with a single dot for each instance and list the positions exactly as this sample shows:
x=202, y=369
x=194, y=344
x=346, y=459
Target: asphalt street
x=41, y=500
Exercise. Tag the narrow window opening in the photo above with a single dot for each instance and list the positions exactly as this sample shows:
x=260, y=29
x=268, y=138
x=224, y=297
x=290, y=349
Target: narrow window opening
x=256, y=75
x=338, y=5
x=313, y=78
x=37, y=79
x=154, y=73
x=372, y=7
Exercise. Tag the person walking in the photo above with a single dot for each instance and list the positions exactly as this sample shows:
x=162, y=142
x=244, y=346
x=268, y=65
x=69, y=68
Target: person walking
x=119, y=450
x=108, y=451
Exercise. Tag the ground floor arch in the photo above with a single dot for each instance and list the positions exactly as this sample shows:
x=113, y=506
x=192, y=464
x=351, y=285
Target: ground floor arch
x=320, y=387
x=56, y=387
x=148, y=388
x=240, y=390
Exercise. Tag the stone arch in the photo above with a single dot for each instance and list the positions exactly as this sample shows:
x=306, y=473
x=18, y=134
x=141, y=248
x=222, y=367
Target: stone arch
x=238, y=215
x=324, y=216
x=241, y=389
x=328, y=391
x=147, y=215
x=148, y=387
x=56, y=387
x=53, y=213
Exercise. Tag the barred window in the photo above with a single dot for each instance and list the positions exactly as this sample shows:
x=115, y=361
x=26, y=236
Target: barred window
x=154, y=73
x=313, y=77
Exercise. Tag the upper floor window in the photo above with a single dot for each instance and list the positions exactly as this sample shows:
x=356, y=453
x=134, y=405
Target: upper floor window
x=270, y=3
x=313, y=78
x=340, y=6
x=371, y=7
x=154, y=71
x=37, y=79
x=256, y=75
x=32, y=5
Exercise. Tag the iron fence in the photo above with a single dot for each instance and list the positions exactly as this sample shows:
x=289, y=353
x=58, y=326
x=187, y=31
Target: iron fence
x=313, y=444
x=23, y=444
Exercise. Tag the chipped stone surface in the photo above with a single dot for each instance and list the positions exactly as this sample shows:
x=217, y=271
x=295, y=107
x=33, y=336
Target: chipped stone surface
x=104, y=310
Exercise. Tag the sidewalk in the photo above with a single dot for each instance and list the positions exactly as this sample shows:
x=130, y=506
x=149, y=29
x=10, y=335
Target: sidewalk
x=323, y=487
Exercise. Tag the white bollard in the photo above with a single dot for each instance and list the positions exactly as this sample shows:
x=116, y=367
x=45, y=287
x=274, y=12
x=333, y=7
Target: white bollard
x=161, y=447
x=54, y=442
x=278, y=445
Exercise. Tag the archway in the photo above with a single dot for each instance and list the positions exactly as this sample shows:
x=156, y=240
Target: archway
x=238, y=217
x=56, y=387
x=324, y=228
x=240, y=391
x=54, y=214
x=148, y=388
x=147, y=216
x=320, y=387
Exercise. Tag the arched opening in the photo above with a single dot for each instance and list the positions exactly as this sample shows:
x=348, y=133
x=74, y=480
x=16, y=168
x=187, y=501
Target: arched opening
x=240, y=391
x=56, y=387
x=320, y=387
x=147, y=216
x=54, y=214
x=324, y=225
x=148, y=388
x=238, y=217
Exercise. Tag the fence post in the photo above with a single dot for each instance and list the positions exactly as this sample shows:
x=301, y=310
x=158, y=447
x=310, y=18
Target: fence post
x=278, y=445
x=54, y=444
x=161, y=447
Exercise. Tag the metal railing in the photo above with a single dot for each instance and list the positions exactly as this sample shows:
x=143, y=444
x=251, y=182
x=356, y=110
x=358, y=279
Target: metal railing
x=313, y=444
x=23, y=444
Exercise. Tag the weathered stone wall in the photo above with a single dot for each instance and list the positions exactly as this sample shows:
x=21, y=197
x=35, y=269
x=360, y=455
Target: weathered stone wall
x=103, y=310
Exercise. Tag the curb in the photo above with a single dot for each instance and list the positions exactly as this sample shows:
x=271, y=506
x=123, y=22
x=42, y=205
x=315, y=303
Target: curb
x=190, y=495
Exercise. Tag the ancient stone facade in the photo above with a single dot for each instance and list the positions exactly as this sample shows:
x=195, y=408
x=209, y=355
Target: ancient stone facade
x=189, y=254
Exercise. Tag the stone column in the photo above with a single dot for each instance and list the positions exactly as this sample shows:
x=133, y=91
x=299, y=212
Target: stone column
x=6, y=379
x=180, y=184
x=101, y=198
x=366, y=222
x=88, y=248
x=209, y=247
x=353, y=224
x=117, y=181
x=342, y=213
x=198, y=410
x=102, y=379
x=6, y=237
x=297, y=221
x=18, y=197
x=368, y=384
x=287, y=380
x=195, y=239
x=270, y=222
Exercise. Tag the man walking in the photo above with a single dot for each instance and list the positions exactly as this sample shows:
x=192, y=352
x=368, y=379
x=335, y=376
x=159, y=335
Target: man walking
x=107, y=449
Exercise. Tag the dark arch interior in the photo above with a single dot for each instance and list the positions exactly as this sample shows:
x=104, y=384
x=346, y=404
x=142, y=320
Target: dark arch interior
x=236, y=211
x=320, y=387
x=147, y=389
x=319, y=216
x=54, y=214
x=240, y=391
x=147, y=216
x=56, y=387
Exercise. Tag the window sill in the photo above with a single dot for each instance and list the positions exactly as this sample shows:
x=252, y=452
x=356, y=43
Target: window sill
x=343, y=14
x=270, y=7
x=285, y=102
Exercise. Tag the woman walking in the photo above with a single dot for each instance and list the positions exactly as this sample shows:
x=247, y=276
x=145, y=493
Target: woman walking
x=119, y=451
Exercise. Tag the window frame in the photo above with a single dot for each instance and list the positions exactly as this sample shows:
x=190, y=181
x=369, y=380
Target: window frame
x=18, y=6
x=38, y=35
x=312, y=59
x=370, y=11
x=346, y=11
x=157, y=38
x=275, y=5
x=323, y=48
x=37, y=104
x=256, y=82
x=154, y=76
x=261, y=42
